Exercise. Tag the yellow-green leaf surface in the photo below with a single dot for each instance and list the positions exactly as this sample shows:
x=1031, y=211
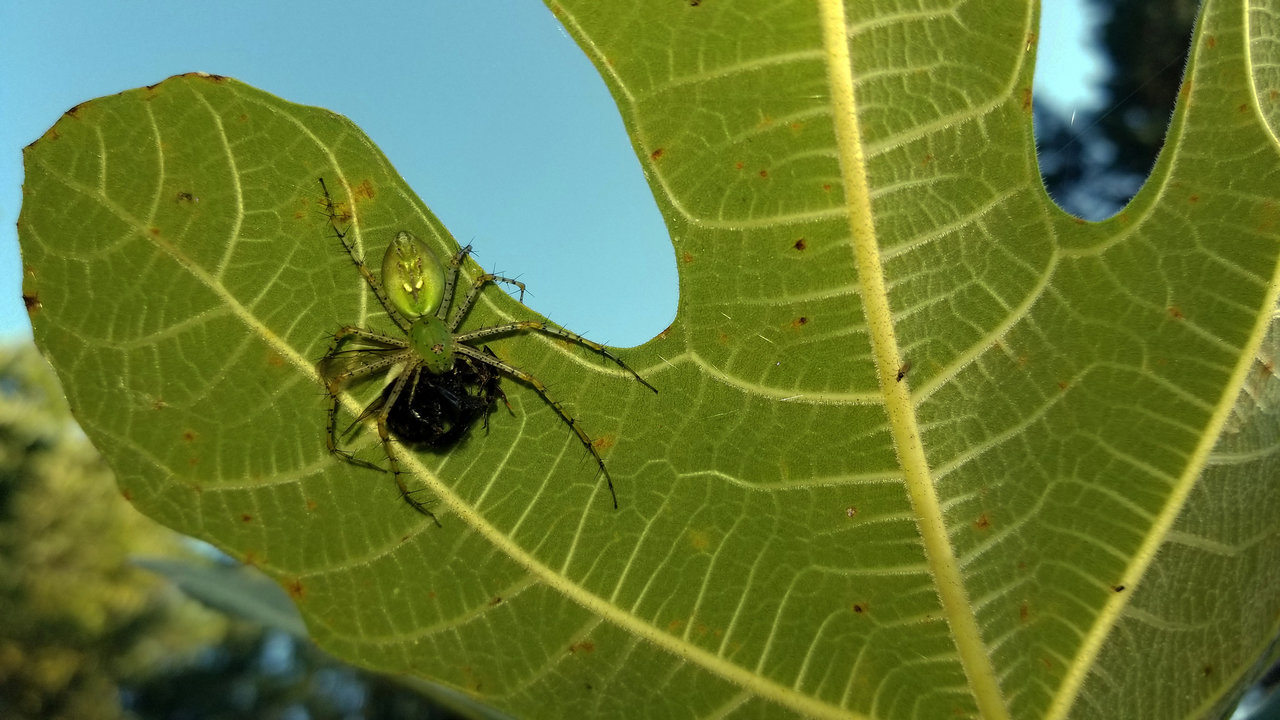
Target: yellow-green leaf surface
x=1066, y=505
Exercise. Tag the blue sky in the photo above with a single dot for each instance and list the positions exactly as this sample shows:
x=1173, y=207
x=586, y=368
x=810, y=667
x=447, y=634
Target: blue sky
x=457, y=94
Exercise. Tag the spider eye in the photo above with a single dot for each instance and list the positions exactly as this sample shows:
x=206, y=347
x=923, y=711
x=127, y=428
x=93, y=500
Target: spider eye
x=412, y=276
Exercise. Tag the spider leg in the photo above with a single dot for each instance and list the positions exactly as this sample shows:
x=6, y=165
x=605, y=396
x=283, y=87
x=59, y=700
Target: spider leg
x=541, y=389
x=350, y=331
x=331, y=439
x=451, y=279
x=486, y=279
x=544, y=328
x=338, y=367
x=332, y=211
x=380, y=416
x=500, y=394
x=490, y=386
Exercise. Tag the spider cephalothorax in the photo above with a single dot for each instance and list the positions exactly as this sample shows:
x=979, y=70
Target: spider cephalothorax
x=444, y=381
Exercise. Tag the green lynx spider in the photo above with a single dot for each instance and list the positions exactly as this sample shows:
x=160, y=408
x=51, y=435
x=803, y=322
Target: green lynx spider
x=416, y=291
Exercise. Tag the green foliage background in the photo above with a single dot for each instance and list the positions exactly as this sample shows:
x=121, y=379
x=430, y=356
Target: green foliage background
x=1066, y=507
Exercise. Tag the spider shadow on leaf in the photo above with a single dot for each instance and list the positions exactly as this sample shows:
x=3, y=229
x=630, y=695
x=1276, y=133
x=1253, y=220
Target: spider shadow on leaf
x=443, y=382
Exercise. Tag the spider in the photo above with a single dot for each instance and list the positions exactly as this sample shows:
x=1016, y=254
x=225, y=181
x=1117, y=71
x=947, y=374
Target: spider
x=443, y=383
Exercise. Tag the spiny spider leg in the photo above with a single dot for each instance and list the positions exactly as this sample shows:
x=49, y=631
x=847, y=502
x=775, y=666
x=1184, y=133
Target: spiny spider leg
x=350, y=331
x=338, y=367
x=385, y=435
x=541, y=389
x=451, y=278
x=331, y=439
x=333, y=386
x=369, y=279
x=476, y=287
x=546, y=329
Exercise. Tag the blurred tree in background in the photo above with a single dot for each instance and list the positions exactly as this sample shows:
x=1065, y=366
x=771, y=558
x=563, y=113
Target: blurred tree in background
x=1093, y=162
x=78, y=619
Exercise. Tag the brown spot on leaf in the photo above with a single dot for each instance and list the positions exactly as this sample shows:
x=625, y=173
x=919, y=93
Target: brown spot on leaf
x=1024, y=612
x=1211, y=41
x=32, y=302
x=1193, y=199
x=1175, y=312
x=296, y=589
x=686, y=257
x=1026, y=98
x=738, y=165
x=1063, y=385
x=586, y=646
x=656, y=155
x=364, y=190
x=127, y=494
x=311, y=504
x=764, y=173
x=189, y=436
x=246, y=517
x=471, y=680
x=274, y=360
x=800, y=322
x=800, y=244
x=497, y=600
x=1117, y=588
x=860, y=608
x=153, y=231
x=983, y=522
x=604, y=442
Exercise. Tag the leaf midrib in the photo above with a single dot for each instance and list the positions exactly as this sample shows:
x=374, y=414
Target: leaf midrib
x=939, y=553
